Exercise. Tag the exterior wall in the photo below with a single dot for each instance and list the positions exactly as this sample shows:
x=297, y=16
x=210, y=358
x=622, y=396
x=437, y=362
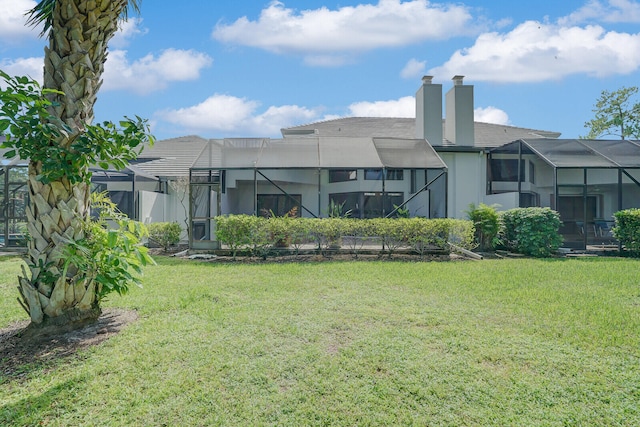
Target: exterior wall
x=152, y=206
x=467, y=172
x=159, y=207
x=503, y=201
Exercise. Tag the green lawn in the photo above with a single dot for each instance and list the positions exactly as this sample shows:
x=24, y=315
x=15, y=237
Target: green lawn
x=495, y=342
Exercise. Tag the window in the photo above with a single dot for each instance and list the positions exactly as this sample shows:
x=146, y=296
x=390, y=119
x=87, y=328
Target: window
x=390, y=174
x=341, y=175
x=367, y=205
x=279, y=204
x=507, y=170
x=532, y=173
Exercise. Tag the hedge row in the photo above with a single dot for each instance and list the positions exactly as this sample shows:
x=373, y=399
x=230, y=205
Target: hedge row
x=260, y=235
x=627, y=229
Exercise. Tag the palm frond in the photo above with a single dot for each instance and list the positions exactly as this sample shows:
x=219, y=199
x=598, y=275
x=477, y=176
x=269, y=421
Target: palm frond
x=42, y=13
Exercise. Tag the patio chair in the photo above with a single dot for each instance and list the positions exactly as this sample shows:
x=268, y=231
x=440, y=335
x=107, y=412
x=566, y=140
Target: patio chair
x=602, y=228
x=581, y=228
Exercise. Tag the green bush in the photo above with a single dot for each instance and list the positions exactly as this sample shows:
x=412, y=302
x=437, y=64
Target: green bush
x=359, y=232
x=164, y=234
x=234, y=231
x=260, y=235
x=112, y=256
x=392, y=231
x=486, y=220
x=627, y=229
x=424, y=235
x=531, y=231
x=329, y=231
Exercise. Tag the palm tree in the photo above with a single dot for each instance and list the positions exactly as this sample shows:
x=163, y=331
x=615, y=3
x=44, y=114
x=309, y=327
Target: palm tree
x=78, y=31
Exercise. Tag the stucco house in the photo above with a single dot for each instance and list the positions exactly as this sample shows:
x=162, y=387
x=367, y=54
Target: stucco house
x=433, y=165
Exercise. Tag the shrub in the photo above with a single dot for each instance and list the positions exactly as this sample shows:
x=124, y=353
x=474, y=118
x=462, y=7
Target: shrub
x=112, y=256
x=531, y=231
x=428, y=234
x=261, y=234
x=392, y=231
x=329, y=232
x=300, y=232
x=627, y=229
x=486, y=220
x=164, y=234
x=359, y=231
x=234, y=231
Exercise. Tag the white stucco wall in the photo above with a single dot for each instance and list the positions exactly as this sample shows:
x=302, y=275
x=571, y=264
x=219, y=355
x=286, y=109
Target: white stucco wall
x=467, y=172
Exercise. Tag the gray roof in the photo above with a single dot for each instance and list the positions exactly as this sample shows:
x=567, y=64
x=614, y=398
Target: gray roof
x=171, y=157
x=487, y=135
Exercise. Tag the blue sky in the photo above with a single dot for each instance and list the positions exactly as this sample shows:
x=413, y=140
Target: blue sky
x=249, y=68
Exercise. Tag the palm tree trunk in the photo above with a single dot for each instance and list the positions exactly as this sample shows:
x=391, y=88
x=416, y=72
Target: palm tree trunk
x=74, y=63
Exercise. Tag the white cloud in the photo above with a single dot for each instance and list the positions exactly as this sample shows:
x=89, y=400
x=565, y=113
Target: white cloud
x=610, y=11
x=403, y=107
x=13, y=20
x=328, y=61
x=127, y=30
x=413, y=69
x=152, y=73
x=349, y=29
x=32, y=67
x=536, y=51
x=491, y=115
x=229, y=115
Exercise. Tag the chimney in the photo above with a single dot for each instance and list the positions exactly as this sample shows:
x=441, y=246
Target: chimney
x=459, y=108
x=429, y=111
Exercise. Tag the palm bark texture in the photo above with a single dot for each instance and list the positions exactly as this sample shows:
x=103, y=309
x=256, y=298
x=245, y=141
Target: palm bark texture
x=78, y=32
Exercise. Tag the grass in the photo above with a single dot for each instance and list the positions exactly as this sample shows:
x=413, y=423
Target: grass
x=495, y=342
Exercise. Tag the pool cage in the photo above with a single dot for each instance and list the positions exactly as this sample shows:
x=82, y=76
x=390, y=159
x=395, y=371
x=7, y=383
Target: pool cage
x=121, y=186
x=367, y=177
x=586, y=181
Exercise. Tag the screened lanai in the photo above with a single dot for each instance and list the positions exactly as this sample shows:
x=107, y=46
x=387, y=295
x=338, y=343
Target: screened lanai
x=586, y=181
x=369, y=177
x=123, y=187
x=14, y=196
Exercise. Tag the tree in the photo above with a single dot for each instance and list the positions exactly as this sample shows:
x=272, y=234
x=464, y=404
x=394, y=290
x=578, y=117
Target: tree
x=52, y=127
x=615, y=114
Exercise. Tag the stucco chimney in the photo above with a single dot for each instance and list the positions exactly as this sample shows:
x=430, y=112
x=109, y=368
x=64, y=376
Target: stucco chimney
x=429, y=111
x=459, y=109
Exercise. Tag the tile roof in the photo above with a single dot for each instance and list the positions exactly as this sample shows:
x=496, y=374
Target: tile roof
x=487, y=135
x=171, y=157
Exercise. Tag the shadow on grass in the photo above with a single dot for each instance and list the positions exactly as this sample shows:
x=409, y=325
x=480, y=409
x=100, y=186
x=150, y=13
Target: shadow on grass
x=21, y=356
x=33, y=410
